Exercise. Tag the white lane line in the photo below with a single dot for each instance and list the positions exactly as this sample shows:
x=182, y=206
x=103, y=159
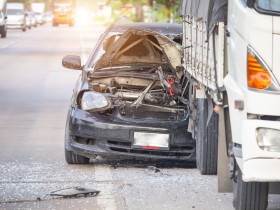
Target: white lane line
x=106, y=199
x=8, y=45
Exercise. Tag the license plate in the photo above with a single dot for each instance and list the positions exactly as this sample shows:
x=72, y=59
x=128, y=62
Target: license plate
x=151, y=141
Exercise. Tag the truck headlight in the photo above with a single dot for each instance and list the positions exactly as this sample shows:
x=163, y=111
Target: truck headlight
x=259, y=76
x=268, y=139
x=93, y=101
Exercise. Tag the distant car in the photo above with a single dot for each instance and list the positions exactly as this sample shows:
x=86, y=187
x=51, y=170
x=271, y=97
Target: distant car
x=127, y=102
x=3, y=25
x=16, y=16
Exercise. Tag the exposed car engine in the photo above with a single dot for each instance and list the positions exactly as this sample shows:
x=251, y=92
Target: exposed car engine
x=139, y=75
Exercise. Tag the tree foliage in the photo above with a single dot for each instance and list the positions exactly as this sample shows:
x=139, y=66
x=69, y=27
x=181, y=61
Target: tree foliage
x=168, y=3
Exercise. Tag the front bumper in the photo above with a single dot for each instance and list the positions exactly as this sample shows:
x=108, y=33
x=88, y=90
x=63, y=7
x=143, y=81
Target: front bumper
x=62, y=20
x=257, y=164
x=112, y=136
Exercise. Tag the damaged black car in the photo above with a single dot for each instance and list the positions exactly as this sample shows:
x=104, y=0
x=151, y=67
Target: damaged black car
x=127, y=101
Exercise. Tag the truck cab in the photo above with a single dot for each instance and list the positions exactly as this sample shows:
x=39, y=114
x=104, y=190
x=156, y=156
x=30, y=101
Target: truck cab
x=231, y=58
x=63, y=12
x=16, y=16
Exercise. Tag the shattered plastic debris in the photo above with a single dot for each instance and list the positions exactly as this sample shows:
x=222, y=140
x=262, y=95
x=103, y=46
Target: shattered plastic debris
x=153, y=168
x=75, y=192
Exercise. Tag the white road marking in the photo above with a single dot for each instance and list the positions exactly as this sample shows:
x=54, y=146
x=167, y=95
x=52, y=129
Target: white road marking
x=106, y=199
x=8, y=45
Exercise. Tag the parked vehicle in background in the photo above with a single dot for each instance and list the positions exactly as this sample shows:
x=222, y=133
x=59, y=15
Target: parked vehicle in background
x=231, y=59
x=3, y=18
x=126, y=102
x=48, y=16
x=28, y=20
x=39, y=9
x=63, y=12
x=40, y=18
x=33, y=19
x=16, y=16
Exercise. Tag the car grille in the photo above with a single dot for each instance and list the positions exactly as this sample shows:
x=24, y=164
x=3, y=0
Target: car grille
x=175, y=151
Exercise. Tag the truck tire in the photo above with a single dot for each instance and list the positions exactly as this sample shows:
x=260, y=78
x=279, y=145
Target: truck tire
x=249, y=195
x=207, y=140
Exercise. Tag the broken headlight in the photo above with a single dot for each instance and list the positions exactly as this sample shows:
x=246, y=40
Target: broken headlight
x=93, y=101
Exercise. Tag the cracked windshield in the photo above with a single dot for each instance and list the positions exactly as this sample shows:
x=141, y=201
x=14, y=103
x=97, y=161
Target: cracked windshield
x=135, y=105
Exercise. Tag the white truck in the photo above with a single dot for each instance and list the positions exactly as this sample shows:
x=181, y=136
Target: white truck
x=39, y=9
x=231, y=54
x=16, y=16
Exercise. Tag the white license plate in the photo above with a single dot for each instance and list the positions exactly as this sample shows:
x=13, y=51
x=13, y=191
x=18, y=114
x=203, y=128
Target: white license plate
x=151, y=141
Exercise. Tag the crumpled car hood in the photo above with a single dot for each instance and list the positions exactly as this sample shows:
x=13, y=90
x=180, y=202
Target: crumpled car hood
x=140, y=46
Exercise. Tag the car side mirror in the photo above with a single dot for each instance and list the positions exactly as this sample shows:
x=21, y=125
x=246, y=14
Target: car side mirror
x=5, y=17
x=72, y=62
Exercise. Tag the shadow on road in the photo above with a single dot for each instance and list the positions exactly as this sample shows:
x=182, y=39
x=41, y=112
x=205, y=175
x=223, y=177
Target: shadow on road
x=145, y=163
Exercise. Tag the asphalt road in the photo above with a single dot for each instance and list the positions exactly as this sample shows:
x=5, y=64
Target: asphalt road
x=35, y=92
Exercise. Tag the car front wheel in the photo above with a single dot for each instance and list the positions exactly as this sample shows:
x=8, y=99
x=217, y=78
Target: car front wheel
x=72, y=158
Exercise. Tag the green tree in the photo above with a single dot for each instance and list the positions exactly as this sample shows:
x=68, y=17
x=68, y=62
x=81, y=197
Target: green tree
x=170, y=5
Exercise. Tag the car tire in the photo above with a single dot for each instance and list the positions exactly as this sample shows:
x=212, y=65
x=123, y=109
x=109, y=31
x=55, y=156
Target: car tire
x=23, y=29
x=207, y=140
x=72, y=158
x=249, y=195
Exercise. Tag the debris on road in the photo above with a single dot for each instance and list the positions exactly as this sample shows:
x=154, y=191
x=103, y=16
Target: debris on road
x=75, y=192
x=153, y=168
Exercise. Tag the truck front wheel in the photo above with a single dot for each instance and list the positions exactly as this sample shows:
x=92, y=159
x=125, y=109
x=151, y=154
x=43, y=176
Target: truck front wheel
x=207, y=140
x=249, y=195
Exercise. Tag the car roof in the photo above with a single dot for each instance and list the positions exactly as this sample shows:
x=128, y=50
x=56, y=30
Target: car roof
x=162, y=28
